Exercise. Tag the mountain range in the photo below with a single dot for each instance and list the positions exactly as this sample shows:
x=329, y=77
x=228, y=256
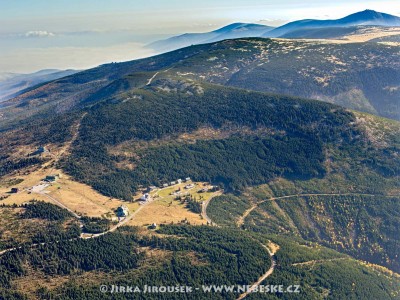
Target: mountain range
x=13, y=84
x=308, y=28
x=232, y=31
x=357, y=76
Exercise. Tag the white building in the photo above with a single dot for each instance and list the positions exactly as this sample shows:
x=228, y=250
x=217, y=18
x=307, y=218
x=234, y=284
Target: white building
x=145, y=197
x=122, y=211
x=151, y=188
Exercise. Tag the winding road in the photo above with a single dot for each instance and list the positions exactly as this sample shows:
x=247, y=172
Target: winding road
x=123, y=222
x=313, y=262
x=270, y=252
x=204, y=209
x=240, y=221
x=263, y=277
x=152, y=78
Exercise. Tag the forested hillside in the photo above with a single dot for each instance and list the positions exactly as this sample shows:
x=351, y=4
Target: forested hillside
x=134, y=139
x=361, y=76
x=190, y=256
x=352, y=208
x=35, y=222
x=364, y=226
x=143, y=137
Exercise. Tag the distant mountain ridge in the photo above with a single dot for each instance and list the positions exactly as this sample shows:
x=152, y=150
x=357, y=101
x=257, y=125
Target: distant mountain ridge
x=366, y=17
x=308, y=28
x=231, y=31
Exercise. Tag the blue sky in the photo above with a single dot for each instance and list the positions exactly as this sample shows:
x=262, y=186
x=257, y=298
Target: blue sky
x=37, y=34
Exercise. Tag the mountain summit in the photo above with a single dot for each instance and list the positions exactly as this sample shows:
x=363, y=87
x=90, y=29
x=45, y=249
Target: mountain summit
x=370, y=17
x=366, y=17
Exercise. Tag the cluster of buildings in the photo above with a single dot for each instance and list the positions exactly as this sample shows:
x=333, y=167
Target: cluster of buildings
x=179, y=181
x=208, y=189
x=37, y=188
x=164, y=185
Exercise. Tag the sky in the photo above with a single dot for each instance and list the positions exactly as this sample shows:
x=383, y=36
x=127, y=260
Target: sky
x=79, y=34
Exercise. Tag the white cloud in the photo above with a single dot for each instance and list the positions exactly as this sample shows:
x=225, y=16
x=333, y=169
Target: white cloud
x=39, y=33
